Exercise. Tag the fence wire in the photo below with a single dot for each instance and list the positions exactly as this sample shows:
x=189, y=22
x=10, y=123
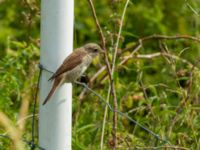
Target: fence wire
x=31, y=143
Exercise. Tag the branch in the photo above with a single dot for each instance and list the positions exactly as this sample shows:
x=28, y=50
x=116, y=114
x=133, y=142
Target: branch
x=165, y=37
x=163, y=147
x=154, y=55
x=113, y=91
x=103, y=40
x=118, y=35
x=24, y=140
x=191, y=8
x=13, y=132
x=162, y=37
x=109, y=69
x=135, y=48
x=104, y=119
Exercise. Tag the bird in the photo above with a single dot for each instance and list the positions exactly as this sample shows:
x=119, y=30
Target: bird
x=73, y=66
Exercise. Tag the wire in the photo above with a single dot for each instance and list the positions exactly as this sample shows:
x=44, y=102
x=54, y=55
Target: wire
x=123, y=114
x=119, y=112
x=32, y=142
x=34, y=110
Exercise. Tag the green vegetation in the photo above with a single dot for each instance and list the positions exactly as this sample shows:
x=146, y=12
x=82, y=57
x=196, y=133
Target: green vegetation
x=158, y=86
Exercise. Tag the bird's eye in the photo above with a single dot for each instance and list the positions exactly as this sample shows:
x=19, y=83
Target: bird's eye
x=95, y=50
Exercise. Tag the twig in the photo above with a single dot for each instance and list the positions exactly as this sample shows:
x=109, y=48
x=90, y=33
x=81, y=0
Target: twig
x=191, y=8
x=97, y=74
x=103, y=40
x=154, y=55
x=26, y=98
x=135, y=49
x=118, y=36
x=139, y=44
x=13, y=132
x=170, y=37
x=26, y=117
x=1, y=1
x=108, y=66
x=23, y=111
x=184, y=101
x=163, y=147
x=104, y=119
x=112, y=73
x=140, y=82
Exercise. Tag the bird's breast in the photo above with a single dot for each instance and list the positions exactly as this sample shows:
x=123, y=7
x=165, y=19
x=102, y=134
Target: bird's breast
x=75, y=73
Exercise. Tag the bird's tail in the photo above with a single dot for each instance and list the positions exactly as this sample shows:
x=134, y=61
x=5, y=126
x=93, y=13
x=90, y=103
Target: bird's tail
x=56, y=84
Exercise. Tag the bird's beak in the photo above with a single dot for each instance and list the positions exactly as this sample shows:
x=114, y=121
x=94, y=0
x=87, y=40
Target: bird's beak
x=102, y=51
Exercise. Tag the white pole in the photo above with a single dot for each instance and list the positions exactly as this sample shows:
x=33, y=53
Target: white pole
x=55, y=117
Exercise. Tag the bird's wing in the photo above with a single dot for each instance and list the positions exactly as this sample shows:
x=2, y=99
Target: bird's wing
x=70, y=62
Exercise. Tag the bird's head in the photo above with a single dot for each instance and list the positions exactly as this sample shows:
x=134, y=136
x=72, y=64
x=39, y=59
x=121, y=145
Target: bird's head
x=93, y=49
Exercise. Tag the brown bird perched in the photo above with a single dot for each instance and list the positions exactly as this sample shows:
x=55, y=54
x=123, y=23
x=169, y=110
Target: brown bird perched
x=73, y=66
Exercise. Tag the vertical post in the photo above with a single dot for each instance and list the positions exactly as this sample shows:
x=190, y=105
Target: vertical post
x=56, y=43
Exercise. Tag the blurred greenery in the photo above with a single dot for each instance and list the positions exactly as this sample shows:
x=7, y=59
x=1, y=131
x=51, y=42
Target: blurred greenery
x=162, y=93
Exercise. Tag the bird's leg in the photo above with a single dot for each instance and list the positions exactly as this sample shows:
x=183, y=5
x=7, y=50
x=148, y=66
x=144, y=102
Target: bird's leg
x=44, y=68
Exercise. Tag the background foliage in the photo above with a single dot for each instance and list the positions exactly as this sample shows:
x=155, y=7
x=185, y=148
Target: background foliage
x=162, y=92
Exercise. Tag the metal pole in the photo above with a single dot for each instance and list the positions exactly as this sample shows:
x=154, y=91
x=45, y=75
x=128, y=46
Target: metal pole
x=55, y=118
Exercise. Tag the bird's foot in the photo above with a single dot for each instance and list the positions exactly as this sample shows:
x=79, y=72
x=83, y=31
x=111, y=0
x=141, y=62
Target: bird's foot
x=84, y=78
